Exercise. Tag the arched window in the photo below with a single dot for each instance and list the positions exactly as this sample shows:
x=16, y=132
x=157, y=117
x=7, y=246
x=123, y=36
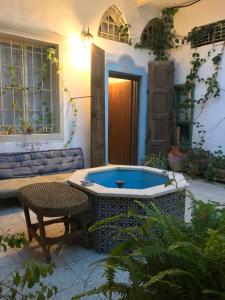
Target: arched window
x=113, y=26
x=148, y=33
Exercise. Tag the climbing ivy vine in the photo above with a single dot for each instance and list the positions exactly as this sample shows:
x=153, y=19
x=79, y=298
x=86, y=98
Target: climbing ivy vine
x=49, y=57
x=164, y=37
x=26, y=127
x=211, y=84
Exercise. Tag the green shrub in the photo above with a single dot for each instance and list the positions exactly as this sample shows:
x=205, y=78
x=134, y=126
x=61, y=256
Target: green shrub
x=168, y=259
x=202, y=163
x=26, y=283
x=196, y=162
x=158, y=160
x=218, y=160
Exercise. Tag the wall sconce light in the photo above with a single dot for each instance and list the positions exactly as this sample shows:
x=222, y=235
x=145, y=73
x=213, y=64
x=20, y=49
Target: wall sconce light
x=87, y=37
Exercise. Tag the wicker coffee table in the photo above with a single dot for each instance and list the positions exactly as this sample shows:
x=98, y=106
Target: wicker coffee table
x=54, y=200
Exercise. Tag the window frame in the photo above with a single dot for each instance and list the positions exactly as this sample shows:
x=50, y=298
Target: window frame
x=207, y=34
x=179, y=110
x=146, y=32
x=21, y=34
x=117, y=21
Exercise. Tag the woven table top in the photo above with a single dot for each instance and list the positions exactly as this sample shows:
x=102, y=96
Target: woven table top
x=52, y=199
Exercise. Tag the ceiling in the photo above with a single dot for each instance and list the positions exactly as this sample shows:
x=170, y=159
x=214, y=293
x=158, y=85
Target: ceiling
x=162, y=3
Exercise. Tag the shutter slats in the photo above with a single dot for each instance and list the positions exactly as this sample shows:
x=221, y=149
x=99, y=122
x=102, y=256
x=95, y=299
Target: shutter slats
x=97, y=106
x=159, y=115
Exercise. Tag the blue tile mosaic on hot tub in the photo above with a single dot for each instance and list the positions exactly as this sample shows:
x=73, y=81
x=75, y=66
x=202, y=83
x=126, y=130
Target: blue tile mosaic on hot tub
x=104, y=239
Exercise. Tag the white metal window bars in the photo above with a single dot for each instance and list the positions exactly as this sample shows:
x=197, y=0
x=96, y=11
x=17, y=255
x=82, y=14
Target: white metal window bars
x=210, y=33
x=26, y=98
x=110, y=26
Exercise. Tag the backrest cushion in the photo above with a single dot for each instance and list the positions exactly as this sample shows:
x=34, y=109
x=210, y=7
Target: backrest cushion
x=27, y=164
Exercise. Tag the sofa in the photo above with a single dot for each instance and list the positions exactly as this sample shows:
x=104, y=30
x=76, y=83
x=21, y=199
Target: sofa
x=20, y=169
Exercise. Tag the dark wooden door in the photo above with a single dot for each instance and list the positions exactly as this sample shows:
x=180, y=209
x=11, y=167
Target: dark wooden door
x=97, y=107
x=120, y=122
x=160, y=105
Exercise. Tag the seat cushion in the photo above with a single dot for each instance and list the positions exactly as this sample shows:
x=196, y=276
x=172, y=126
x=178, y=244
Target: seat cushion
x=28, y=164
x=9, y=187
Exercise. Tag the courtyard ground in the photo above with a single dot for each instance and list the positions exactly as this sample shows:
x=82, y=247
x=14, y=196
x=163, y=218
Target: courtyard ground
x=76, y=268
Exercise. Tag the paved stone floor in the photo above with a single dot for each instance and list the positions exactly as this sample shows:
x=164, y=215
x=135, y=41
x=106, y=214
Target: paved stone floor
x=76, y=269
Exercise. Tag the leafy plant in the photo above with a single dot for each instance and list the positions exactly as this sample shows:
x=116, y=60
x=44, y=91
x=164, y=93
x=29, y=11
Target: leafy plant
x=203, y=163
x=158, y=160
x=124, y=32
x=27, y=126
x=11, y=241
x=51, y=57
x=169, y=259
x=163, y=38
x=26, y=283
x=219, y=158
x=196, y=162
x=10, y=130
x=211, y=83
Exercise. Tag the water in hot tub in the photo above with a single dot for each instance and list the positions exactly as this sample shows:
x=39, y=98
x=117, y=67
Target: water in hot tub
x=133, y=179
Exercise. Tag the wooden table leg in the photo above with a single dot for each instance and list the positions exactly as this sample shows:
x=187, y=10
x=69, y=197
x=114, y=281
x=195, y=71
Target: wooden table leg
x=67, y=225
x=84, y=228
x=28, y=222
x=44, y=245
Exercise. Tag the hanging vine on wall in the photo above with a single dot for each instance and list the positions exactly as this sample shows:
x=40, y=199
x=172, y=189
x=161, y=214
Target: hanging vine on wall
x=123, y=31
x=27, y=127
x=163, y=38
x=211, y=83
x=51, y=56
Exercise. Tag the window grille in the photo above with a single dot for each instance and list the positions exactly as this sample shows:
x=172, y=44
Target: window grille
x=148, y=33
x=113, y=26
x=208, y=34
x=28, y=89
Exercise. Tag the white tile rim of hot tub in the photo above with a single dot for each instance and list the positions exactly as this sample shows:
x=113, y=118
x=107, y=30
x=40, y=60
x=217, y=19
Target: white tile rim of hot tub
x=179, y=183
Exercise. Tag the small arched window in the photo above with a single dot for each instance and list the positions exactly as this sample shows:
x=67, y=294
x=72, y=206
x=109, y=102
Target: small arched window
x=113, y=26
x=148, y=33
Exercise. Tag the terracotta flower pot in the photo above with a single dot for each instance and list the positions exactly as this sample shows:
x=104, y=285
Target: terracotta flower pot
x=30, y=130
x=176, y=159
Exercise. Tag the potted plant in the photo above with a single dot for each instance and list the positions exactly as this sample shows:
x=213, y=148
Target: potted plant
x=158, y=160
x=10, y=130
x=177, y=156
x=196, y=162
x=27, y=127
x=216, y=167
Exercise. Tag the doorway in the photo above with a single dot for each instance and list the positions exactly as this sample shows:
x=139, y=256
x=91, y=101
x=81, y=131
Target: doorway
x=123, y=119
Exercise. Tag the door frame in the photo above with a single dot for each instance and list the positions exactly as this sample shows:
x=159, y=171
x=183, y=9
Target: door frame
x=125, y=64
x=135, y=112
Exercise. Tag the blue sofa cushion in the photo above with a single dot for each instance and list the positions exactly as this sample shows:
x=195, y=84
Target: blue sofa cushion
x=15, y=165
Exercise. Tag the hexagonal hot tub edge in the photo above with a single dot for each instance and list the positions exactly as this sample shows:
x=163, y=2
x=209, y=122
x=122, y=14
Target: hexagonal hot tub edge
x=166, y=189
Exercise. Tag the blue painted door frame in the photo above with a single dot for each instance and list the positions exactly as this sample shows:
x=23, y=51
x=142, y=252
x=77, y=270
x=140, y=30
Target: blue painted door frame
x=126, y=65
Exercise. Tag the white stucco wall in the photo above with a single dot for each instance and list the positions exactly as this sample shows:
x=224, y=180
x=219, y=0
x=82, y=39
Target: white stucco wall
x=213, y=115
x=68, y=18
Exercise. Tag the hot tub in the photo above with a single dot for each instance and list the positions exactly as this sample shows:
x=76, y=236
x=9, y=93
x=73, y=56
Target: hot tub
x=113, y=189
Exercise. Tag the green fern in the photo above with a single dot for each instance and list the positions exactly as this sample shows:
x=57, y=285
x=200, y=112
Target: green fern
x=168, y=259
